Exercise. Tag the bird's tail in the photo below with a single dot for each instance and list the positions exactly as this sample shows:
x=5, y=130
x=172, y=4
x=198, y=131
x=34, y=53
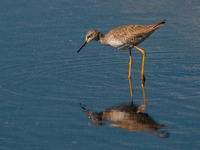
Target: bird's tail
x=159, y=24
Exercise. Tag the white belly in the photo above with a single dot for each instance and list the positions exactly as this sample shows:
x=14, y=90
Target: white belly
x=119, y=45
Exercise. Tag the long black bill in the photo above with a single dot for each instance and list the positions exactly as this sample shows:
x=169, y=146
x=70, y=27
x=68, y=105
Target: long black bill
x=82, y=46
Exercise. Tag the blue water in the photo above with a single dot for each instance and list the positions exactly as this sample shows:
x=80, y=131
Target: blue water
x=50, y=95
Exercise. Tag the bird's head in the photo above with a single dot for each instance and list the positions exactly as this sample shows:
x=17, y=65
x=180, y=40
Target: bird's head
x=92, y=35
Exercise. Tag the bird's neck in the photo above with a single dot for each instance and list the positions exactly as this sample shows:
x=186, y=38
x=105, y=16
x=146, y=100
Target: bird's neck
x=101, y=38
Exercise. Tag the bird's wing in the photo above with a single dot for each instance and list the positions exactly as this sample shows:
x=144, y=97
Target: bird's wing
x=129, y=33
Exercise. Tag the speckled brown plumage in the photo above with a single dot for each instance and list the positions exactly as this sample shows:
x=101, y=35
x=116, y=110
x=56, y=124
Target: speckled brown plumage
x=124, y=38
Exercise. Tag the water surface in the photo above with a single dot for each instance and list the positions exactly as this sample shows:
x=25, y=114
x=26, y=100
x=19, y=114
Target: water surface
x=45, y=84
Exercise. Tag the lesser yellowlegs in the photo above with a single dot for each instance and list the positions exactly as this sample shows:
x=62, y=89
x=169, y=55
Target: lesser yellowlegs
x=124, y=38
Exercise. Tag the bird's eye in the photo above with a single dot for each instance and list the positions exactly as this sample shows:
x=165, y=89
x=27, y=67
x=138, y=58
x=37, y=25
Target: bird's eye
x=89, y=36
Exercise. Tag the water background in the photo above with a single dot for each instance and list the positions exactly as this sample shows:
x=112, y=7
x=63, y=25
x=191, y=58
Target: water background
x=43, y=80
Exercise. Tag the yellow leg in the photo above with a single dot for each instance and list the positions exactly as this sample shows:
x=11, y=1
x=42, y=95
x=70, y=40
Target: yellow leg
x=131, y=89
x=130, y=65
x=142, y=72
x=142, y=107
x=144, y=95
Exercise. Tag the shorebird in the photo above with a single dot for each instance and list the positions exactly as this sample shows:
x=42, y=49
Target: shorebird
x=124, y=38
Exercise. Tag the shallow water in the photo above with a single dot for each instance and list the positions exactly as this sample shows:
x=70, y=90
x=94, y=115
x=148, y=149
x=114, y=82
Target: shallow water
x=49, y=93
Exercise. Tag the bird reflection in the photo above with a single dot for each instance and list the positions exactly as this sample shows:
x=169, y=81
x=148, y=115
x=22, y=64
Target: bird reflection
x=127, y=116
